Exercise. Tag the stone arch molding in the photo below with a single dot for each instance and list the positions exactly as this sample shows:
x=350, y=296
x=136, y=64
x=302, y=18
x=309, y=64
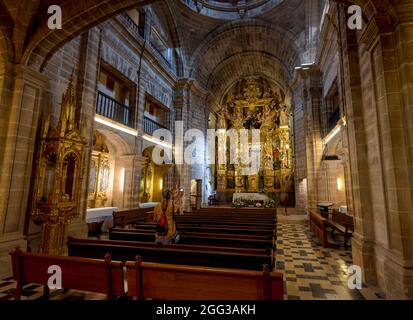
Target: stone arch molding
x=242, y=66
x=6, y=46
x=245, y=36
x=116, y=144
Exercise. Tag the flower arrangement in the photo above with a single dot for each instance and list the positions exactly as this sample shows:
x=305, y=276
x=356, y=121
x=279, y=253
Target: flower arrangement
x=245, y=203
x=270, y=204
x=240, y=203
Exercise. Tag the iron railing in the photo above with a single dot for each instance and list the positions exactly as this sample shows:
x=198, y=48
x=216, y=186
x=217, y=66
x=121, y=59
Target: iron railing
x=132, y=24
x=153, y=46
x=110, y=108
x=149, y=125
x=333, y=120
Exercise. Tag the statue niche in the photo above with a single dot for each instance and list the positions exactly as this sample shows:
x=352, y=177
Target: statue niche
x=99, y=173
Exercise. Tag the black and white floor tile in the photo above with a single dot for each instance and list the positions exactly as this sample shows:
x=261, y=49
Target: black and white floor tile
x=312, y=272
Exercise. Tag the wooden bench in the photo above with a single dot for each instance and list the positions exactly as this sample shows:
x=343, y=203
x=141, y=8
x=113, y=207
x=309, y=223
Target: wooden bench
x=180, y=282
x=99, y=276
x=218, y=235
x=196, y=239
x=215, y=228
x=128, y=217
x=318, y=225
x=342, y=223
x=209, y=256
x=250, y=223
x=210, y=224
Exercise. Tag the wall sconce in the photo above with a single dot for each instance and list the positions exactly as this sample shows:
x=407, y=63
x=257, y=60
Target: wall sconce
x=339, y=184
x=122, y=180
x=161, y=184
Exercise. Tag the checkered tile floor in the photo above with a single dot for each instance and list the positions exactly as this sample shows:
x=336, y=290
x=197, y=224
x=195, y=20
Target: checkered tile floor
x=311, y=272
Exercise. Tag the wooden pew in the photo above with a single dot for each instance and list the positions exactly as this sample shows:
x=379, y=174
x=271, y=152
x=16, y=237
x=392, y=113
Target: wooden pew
x=232, y=214
x=212, y=256
x=127, y=217
x=228, y=215
x=226, y=229
x=214, y=228
x=196, y=239
x=318, y=225
x=343, y=224
x=250, y=223
x=180, y=282
x=99, y=276
x=239, y=210
x=225, y=235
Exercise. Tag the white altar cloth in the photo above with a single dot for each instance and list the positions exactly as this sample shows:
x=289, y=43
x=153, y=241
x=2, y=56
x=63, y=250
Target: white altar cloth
x=101, y=214
x=148, y=204
x=249, y=196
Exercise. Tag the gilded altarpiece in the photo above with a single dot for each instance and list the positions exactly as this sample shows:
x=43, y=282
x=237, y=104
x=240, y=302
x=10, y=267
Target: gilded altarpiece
x=255, y=103
x=59, y=176
x=99, y=173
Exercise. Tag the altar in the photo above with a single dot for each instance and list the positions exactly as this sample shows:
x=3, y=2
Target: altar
x=249, y=196
x=255, y=105
x=101, y=215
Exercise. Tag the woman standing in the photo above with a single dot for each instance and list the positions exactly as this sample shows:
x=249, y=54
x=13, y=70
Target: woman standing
x=164, y=218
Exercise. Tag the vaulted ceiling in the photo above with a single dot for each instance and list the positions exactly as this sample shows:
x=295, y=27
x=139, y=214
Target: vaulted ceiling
x=218, y=52
x=25, y=38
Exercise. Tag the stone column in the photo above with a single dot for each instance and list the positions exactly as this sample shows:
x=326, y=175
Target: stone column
x=17, y=160
x=385, y=59
x=299, y=140
x=189, y=99
x=358, y=186
x=395, y=271
x=311, y=97
x=181, y=170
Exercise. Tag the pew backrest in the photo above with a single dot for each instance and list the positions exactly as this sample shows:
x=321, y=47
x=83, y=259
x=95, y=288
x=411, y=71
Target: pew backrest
x=214, y=256
x=127, y=217
x=181, y=282
x=99, y=276
x=318, y=226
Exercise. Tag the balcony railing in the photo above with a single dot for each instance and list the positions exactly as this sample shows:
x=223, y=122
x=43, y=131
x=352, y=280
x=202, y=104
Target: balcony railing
x=110, y=108
x=154, y=47
x=333, y=119
x=132, y=24
x=149, y=125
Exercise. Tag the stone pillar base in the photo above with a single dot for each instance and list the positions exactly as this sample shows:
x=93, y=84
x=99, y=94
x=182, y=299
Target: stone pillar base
x=8, y=244
x=364, y=256
x=394, y=275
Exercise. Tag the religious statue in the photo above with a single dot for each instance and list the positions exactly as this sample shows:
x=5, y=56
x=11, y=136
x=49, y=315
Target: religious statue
x=239, y=183
x=287, y=182
x=222, y=118
x=268, y=163
x=178, y=196
x=267, y=118
x=237, y=117
x=284, y=115
x=252, y=183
